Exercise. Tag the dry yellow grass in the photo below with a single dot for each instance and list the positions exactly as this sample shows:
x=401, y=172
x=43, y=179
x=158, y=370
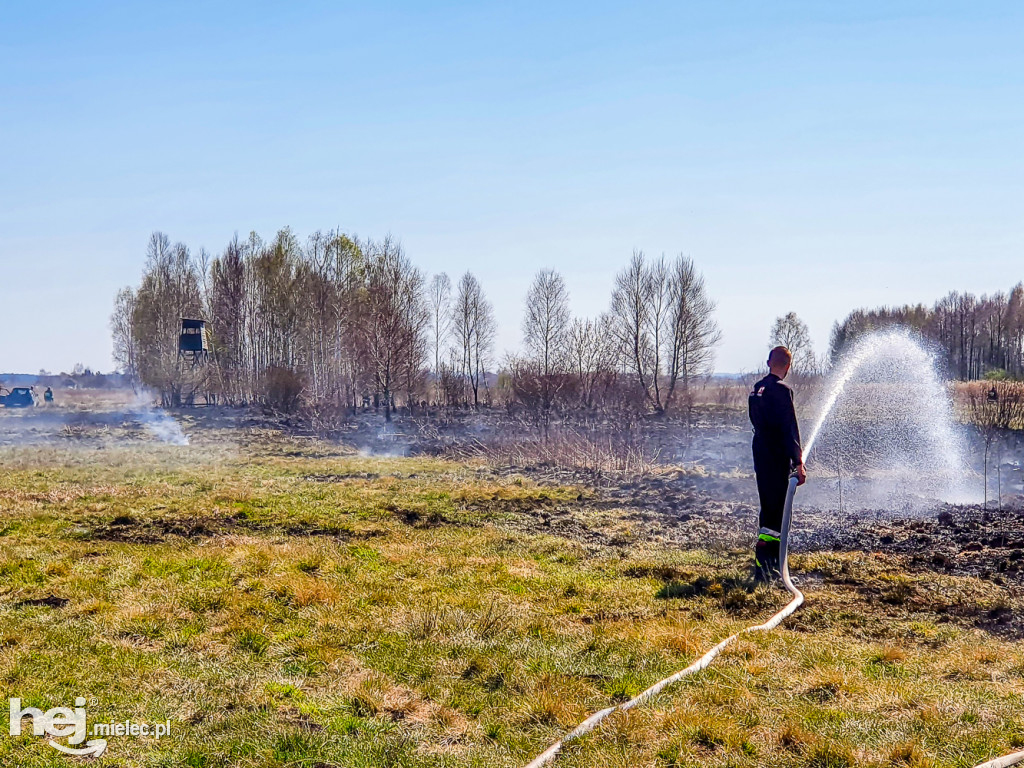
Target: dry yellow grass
x=400, y=613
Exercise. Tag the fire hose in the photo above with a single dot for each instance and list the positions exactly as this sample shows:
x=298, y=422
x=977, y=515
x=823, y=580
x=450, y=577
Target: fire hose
x=702, y=663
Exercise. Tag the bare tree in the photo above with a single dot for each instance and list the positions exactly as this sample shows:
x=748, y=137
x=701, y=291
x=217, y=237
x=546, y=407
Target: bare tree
x=591, y=356
x=791, y=332
x=332, y=321
x=440, y=298
x=977, y=335
x=125, y=335
x=545, y=331
x=169, y=291
x=631, y=311
x=227, y=302
x=693, y=332
x=474, y=329
x=392, y=318
x=347, y=276
x=664, y=321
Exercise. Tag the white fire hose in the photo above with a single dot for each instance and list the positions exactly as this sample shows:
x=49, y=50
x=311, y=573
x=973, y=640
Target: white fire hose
x=798, y=598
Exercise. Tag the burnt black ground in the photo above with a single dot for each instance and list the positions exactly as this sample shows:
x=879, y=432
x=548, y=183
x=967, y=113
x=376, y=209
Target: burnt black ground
x=955, y=539
x=697, y=492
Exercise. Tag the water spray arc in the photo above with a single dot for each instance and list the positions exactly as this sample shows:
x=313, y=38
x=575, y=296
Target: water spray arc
x=886, y=411
x=850, y=367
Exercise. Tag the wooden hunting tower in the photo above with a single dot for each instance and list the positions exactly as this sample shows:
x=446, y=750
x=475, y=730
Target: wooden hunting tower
x=193, y=344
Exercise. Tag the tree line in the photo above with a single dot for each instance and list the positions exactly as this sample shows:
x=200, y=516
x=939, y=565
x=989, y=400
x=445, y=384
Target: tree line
x=342, y=322
x=979, y=336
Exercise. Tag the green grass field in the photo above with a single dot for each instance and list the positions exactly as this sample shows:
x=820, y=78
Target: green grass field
x=284, y=604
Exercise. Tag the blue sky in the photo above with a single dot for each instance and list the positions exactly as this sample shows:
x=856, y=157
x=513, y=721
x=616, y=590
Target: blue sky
x=810, y=157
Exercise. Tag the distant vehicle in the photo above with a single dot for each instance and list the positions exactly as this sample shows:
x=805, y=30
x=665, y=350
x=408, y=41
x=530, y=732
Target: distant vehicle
x=19, y=397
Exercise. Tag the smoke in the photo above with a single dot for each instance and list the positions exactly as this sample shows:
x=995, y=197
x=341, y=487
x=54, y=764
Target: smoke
x=159, y=423
x=389, y=443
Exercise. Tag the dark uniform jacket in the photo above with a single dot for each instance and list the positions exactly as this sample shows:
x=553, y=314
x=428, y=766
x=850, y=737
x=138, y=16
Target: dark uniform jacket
x=776, y=434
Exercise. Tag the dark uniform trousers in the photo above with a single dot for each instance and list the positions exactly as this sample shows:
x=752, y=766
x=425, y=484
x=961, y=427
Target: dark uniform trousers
x=772, y=469
x=776, y=449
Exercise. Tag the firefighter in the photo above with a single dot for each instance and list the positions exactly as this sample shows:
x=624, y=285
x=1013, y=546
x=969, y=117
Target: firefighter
x=777, y=455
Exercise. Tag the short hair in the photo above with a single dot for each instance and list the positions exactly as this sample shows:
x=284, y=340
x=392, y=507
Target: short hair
x=780, y=356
